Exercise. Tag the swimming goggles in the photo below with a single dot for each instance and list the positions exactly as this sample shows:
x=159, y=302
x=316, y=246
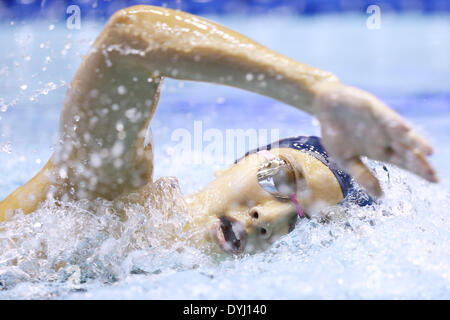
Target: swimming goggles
x=277, y=177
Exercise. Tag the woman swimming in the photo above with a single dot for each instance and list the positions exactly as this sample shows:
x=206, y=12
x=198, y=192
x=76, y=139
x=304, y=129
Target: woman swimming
x=103, y=151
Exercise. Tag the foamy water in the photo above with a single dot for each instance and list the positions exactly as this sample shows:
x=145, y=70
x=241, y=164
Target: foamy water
x=398, y=248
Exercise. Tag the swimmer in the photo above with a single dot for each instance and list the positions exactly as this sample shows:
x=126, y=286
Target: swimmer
x=104, y=152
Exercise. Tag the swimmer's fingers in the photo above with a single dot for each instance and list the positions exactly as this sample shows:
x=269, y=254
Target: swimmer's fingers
x=412, y=160
x=408, y=150
x=402, y=146
x=364, y=176
x=416, y=141
x=400, y=131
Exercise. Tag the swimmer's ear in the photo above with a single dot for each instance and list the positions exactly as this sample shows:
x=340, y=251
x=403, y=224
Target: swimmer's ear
x=219, y=172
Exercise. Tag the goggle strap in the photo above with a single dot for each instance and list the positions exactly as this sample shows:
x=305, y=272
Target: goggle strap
x=297, y=206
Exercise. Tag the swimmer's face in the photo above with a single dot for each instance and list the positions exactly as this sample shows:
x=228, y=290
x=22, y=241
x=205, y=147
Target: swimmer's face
x=251, y=217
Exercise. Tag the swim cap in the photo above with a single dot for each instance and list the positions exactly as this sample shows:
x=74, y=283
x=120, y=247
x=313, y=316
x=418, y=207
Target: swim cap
x=313, y=146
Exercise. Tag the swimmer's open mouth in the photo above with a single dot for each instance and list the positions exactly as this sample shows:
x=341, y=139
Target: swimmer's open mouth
x=230, y=234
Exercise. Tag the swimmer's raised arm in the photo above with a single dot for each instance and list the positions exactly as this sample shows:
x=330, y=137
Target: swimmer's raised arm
x=112, y=98
x=354, y=123
x=178, y=45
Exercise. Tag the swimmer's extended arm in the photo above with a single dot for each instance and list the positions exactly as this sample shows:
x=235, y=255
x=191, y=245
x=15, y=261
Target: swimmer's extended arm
x=113, y=96
x=178, y=45
x=354, y=122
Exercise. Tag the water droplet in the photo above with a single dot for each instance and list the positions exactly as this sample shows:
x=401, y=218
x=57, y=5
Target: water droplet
x=119, y=126
x=315, y=122
x=220, y=100
x=96, y=160
x=117, y=149
x=132, y=114
x=63, y=173
x=118, y=163
x=121, y=90
x=6, y=147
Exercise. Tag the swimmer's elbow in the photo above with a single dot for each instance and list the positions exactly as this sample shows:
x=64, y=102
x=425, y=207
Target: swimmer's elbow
x=120, y=17
x=135, y=15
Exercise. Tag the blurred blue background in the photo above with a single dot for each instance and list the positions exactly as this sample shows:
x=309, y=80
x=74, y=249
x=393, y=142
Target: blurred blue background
x=102, y=9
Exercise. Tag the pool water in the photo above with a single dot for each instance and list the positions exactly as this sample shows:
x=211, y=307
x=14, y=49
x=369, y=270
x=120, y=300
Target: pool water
x=398, y=249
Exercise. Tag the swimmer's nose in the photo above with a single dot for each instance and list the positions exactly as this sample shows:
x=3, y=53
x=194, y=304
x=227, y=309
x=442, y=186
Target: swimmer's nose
x=266, y=223
x=230, y=234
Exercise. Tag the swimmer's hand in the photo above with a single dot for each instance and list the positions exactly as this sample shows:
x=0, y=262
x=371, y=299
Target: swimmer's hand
x=354, y=123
